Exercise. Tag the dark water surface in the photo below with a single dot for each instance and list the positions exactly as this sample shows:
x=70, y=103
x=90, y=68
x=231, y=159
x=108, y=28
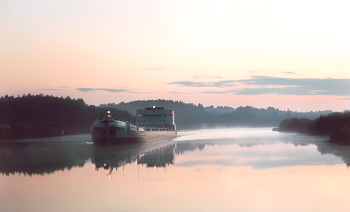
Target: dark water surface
x=205, y=170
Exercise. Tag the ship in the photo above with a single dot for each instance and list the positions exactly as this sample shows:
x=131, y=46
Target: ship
x=110, y=130
x=152, y=123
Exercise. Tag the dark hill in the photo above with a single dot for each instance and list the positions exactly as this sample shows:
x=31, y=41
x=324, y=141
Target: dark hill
x=334, y=125
x=45, y=116
x=190, y=116
x=187, y=116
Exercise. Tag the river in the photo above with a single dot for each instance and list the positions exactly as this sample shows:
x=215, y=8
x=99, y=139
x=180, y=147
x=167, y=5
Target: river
x=237, y=169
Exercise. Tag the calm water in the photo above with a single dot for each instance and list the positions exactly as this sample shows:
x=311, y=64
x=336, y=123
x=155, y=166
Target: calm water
x=204, y=170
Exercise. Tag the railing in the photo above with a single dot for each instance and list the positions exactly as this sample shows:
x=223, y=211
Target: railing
x=163, y=128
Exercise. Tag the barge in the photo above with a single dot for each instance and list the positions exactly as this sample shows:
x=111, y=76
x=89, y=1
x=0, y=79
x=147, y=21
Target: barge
x=152, y=123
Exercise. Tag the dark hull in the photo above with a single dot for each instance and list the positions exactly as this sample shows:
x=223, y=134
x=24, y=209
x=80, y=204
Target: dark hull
x=115, y=140
x=144, y=136
x=113, y=131
x=157, y=135
x=109, y=131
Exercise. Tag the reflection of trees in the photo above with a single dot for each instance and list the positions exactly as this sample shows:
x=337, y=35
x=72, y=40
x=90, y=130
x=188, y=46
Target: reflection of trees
x=340, y=151
x=190, y=146
x=41, y=158
x=323, y=146
x=186, y=147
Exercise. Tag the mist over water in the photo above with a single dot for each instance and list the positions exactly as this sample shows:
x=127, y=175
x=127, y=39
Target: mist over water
x=232, y=169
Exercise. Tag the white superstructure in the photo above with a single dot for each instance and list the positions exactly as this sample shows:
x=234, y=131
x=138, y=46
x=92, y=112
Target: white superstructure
x=156, y=119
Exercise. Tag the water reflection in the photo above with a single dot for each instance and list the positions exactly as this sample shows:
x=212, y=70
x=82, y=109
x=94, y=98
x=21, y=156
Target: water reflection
x=240, y=170
x=45, y=158
x=154, y=154
x=284, y=150
x=41, y=158
x=259, y=151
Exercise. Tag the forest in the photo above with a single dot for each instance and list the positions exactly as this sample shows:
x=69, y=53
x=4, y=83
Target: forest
x=35, y=116
x=334, y=125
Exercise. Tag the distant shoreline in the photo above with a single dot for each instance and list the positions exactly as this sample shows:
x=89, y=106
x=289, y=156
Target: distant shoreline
x=65, y=138
x=335, y=125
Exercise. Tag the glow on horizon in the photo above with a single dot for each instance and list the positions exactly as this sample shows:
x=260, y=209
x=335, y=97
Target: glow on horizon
x=136, y=50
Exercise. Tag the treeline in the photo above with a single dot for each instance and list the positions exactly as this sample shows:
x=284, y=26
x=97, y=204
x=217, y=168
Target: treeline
x=334, y=125
x=191, y=116
x=35, y=116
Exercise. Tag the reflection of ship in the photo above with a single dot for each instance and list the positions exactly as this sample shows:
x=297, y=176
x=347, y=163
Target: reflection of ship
x=159, y=157
x=153, y=123
x=153, y=154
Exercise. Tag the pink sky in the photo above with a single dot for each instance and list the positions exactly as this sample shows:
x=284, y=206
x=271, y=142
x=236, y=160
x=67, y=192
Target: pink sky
x=184, y=50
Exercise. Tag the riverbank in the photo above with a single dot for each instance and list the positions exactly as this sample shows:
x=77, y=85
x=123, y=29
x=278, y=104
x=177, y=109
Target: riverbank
x=335, y=125
x=78, y=138
x=41, y=116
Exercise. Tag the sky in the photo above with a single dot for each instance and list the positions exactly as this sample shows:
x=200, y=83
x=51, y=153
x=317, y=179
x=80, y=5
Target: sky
x=285, y=54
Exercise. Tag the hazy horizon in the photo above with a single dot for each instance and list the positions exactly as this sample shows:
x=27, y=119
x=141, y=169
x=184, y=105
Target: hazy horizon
x=287, y=55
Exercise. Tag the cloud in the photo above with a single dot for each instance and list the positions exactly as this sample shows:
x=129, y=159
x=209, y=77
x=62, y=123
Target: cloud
x=215, y=92
x=205, y=76
x=175, y=92
x=55, y=88
x=288, y=72
x=344, y=99
x=50, y=89
x=102, y=89
x=303, y=86
x=279, y=91
x=225, y=83
x=191, y=84
x=218, y=84
x=277, y=85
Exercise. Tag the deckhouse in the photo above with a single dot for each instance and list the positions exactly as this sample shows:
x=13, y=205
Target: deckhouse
x=156, y=119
